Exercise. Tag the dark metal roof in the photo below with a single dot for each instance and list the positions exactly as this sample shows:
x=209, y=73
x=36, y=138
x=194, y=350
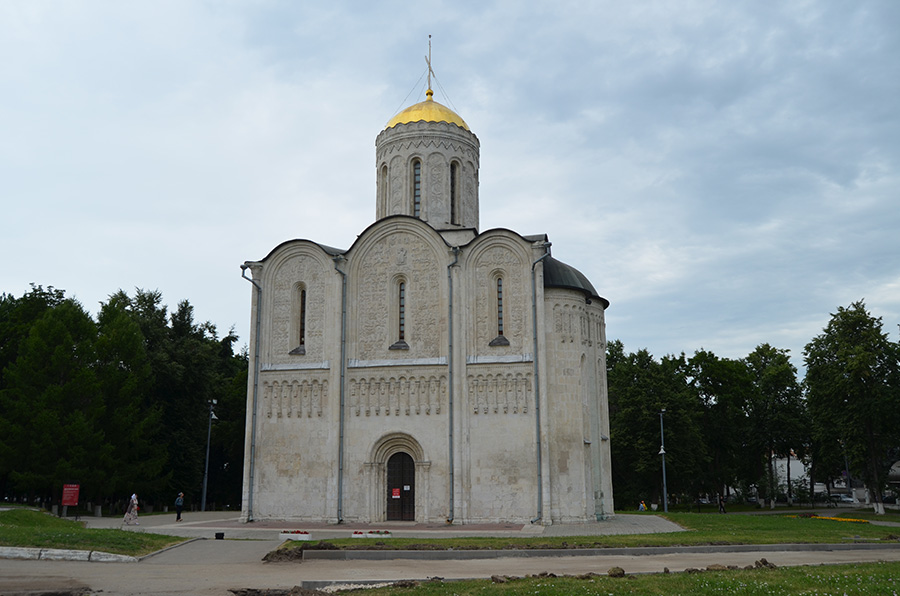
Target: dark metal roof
x=559, y=275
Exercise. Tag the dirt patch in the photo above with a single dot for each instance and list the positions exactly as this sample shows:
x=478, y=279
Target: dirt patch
x=64, y=592
x=284, y=555
x=295, y=553
x=44, y=586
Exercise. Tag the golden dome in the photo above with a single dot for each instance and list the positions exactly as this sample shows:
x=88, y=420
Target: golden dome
x=428, y=111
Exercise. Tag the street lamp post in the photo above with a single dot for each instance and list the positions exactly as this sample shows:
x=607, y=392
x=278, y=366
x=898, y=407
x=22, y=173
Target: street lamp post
x=662, y=452
x=212, y=415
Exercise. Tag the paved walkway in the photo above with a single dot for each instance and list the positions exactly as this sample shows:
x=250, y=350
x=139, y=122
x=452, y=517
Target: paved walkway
x=208, y=524
x=213, y=567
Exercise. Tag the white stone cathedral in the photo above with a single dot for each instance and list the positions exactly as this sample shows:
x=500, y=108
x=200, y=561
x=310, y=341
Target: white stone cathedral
x=430, y=372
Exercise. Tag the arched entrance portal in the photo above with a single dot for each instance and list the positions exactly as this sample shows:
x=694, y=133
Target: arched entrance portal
x=397, y=466
x=401, y=485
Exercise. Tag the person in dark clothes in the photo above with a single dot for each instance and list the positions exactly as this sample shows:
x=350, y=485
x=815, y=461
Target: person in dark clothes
x=179, y=506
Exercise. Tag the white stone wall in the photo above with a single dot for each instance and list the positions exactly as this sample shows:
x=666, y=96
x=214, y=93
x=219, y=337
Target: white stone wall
x=578, y=407
x=452, y=380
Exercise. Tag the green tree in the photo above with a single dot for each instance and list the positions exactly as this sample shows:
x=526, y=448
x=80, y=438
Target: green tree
x=191, y=367
x=53, y=405
x=639, y=388
x=775, y=412
x=853, y=390
x=17, y=315
x=120, y=405
x=723, y=387
x=132, y=424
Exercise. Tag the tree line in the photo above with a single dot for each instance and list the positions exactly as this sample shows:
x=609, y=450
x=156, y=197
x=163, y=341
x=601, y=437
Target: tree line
x=727, y=419
x=118, y=404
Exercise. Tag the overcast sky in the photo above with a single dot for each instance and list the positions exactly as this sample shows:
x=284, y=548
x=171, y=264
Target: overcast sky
x=725, y=173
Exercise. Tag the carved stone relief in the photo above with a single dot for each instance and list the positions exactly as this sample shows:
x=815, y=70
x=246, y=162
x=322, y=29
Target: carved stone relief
x=438, y=210
x=399, y=254
x=500, y=259
x=576, y=322
x=592, y=329
x=296, y=270
x=407, y=395
x=500, y=393
x=395, y=200
x=296, y=398
x=564, y=322
x=424, y=143
x=470, y=194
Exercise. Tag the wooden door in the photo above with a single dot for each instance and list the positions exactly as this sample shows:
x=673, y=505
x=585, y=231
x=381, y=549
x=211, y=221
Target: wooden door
x=401, y=487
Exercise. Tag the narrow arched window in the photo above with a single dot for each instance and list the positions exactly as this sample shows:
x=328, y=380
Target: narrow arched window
x=398, y=318
x=384, y=186
x=402, y=312
x=298, y=320
x=501, y=339
x=499, y=306
x=454, y=193
x=417, y=188
x=302, y=317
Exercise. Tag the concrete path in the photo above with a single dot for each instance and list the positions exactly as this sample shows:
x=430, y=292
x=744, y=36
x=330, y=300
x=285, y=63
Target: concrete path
x=213, y=567
x=210, y=523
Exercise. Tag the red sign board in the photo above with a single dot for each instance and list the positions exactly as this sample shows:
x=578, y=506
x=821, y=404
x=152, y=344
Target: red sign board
x=70, y=494
x=395, y=493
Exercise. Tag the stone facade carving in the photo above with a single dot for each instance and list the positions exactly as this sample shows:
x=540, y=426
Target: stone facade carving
x=402, y=395
x=500, y=393
x=576, y=323
x=296, y=398
x=292, y=273
x=397, y=198
x=469, y=184
x=498, y=260
x=565, y=320
x=402, y=256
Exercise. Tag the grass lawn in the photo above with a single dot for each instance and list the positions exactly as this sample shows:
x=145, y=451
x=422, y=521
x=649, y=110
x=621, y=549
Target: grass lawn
x=838, y=580
x=702, y=529
x=36, y=529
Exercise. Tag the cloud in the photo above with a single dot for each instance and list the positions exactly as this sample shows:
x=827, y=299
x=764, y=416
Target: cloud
x=724, y=173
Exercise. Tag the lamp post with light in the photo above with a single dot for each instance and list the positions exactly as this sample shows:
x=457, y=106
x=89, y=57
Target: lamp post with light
x=212, y=416
x=662, y=452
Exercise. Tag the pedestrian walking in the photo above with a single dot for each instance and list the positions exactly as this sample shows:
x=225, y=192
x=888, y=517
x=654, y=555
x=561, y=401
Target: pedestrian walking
x=131, y=513
x=721, y=504
x=179, y=506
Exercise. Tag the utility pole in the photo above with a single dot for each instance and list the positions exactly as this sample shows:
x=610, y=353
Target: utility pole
x=212, y=415
x=662, y=452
